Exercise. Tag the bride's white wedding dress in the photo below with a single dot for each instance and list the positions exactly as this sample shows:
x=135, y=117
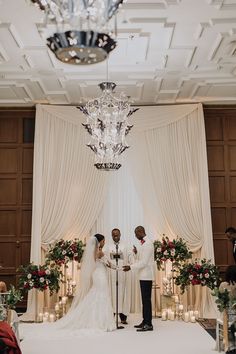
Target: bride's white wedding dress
x=95, y=310
x=91, y=310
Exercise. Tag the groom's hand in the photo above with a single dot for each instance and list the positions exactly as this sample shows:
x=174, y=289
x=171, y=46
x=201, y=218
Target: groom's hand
x=126, y=268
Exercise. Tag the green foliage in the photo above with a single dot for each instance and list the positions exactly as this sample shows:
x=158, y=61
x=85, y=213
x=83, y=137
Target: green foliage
x=40, y=277
x=222, y=299
x=201, y=272
x=13, y=297
x=61, y=252
x=176, y=251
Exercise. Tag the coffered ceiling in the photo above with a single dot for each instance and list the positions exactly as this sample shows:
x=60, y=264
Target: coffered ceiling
x=169, y=51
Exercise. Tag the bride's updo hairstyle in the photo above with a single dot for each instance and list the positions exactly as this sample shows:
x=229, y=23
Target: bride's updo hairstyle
x=99, y=237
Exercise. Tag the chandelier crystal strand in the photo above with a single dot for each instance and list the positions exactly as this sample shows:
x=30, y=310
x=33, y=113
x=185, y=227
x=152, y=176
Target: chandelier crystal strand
x=108, y=124
x=83, y=32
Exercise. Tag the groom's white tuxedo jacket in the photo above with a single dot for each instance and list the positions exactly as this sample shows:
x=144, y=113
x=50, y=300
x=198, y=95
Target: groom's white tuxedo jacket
x=144, y=260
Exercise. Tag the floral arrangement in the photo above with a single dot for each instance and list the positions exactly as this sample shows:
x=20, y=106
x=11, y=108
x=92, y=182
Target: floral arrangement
x=13, y=297
x=201, y=272
x=222, y=299
x=40, y=277
x=176, y=251
x=61, y=252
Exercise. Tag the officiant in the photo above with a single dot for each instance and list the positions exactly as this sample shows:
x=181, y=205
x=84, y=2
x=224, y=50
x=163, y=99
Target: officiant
x=124, y=279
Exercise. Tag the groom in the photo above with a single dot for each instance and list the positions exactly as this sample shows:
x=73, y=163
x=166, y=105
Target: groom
x=145, y=267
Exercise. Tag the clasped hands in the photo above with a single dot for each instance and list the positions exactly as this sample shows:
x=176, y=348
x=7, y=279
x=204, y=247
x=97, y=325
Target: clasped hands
x=126, y=268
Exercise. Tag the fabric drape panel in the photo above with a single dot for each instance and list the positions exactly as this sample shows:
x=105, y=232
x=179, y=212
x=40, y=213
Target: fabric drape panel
x=68, y=192
x=163, y=183
x=168, y=165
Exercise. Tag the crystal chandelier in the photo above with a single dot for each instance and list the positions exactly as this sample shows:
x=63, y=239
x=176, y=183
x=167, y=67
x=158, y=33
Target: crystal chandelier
x=85, y=29
x=107, y=123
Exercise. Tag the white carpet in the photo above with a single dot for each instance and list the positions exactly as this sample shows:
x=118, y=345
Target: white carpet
x=168, y=337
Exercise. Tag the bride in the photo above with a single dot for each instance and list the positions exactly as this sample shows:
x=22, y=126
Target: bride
x=91, y=311
x=91, y=307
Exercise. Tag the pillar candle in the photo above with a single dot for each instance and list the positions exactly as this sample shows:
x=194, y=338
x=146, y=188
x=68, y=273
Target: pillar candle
x=164, y=316
x=186, y=316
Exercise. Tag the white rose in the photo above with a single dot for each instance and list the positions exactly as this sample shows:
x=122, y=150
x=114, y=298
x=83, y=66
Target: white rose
x=166, y=253
x=47, y=271
x=31, y=283
x=207, y=275
x=191, y=277
x=41, y=280
x=158, y=249
x=63, y=252
x=29, y=276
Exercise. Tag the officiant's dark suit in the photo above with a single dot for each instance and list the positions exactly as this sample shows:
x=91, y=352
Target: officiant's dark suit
x=144, y=264
x=230, y=232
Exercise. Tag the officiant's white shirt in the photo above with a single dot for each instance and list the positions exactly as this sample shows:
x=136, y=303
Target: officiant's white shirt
x=144, y=263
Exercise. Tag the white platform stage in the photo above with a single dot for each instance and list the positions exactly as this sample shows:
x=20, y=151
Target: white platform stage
x=168, y=337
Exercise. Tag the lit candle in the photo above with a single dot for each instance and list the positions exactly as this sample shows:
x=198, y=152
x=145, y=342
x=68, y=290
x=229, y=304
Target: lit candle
x=57, y=307
x=164, y=316
x=192, y=319
x=186, y=317
x=190, y=313
x=172, y=316
x=40, y=316
x=51, y=317
x=73, y=271
x=169, y=313
x=196, y=314
x=64, y=300
x=46, y=314
x=45, y=318
x=181, y=307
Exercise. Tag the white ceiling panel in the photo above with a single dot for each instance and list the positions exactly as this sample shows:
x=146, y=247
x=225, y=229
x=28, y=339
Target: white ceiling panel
x=168, y=51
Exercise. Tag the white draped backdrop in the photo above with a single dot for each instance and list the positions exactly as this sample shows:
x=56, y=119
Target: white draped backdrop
x=162, y=184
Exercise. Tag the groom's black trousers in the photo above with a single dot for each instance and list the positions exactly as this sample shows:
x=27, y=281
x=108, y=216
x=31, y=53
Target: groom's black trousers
x=146, y=293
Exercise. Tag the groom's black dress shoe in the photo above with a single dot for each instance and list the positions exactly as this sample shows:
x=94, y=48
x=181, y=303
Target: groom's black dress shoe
x=145, y=328
x=139, y=326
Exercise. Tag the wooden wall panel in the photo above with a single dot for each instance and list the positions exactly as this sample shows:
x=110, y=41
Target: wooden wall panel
x=26, y=217
x=8, y=158
x=8, y=191
x=221, y=258
x=217, y=188
x=27, y=185
x=8, y=223
x=8, y=255
x=27, y=161
x=8, y=129
x=218, y=220
x=232, y=158
x=215, y=156
x=16, y=173
x=220, y=123
x=214, y=126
